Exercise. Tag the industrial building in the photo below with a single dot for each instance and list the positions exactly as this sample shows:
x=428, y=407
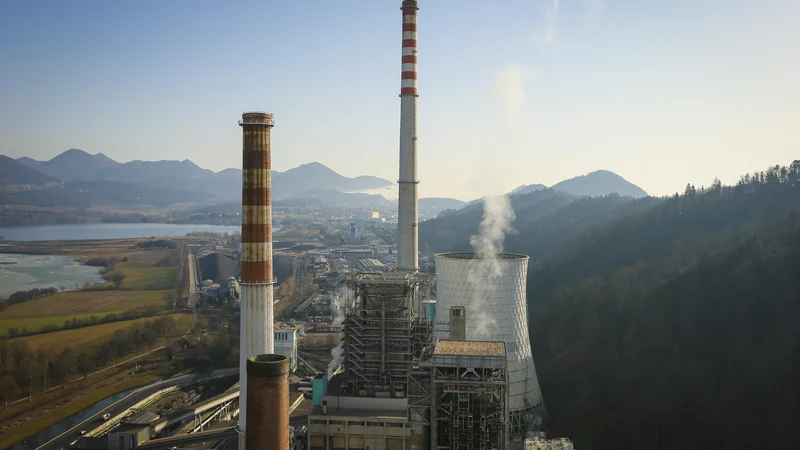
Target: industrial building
x=465, y=381
x=493, y=290
x=286, y=344
x=469, y=395
x=372, y=265
x=407, y=379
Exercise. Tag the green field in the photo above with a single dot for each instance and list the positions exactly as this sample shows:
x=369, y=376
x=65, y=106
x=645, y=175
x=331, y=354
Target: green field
x=84, y=339
x=55, y=309
x=141, y=275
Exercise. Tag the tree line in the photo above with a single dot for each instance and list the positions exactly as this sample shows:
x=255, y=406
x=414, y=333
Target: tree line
x=21, y=296
x=90, y=321
x=665, y=323
x=27, y=371
x=151, y=244
x=676, y=326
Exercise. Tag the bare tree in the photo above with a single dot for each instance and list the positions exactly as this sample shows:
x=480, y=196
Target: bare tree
x=4, y=354
x=116, y=277
x=84, y=364
x=7, y=388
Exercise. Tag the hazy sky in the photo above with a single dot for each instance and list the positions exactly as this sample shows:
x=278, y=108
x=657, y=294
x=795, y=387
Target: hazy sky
x=511, y=91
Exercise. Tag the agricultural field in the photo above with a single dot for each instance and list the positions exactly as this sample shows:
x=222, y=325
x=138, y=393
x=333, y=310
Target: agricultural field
x=149, y=270
x=58, y=308
x=85, y=339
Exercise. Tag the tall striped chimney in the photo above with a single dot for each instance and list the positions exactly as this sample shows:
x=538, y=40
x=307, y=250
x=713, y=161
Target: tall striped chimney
x=408, y=213
x=256, y=332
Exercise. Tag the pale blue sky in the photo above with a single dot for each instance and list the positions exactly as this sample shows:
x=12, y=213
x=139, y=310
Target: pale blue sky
x=511, y=91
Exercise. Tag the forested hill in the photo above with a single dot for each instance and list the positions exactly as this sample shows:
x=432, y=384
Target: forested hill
x=675, y=325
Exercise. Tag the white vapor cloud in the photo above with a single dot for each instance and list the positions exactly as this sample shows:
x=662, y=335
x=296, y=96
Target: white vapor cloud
x=508, y=88
x=595, y=8
x=551, y=25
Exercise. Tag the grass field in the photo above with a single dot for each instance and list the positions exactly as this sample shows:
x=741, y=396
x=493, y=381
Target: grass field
x=84, y=303
x=140, y=275
x=55, y=309
x=84, y=339
x=60, y=413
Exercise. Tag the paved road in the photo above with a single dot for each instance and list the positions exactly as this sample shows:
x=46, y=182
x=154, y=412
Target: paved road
x=126, y=403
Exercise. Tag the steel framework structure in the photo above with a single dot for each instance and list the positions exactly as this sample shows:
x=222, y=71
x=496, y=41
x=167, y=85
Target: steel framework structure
x=470, y=407
x=383, y=330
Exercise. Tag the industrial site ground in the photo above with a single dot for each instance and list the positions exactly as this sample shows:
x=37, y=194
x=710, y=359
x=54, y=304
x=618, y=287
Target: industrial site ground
x=155, y=281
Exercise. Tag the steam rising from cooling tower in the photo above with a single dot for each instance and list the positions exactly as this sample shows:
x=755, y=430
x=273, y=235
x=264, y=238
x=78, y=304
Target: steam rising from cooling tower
x=491, y=284
x=497, y=217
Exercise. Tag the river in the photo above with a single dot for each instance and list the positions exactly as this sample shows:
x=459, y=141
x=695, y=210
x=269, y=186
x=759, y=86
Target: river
x=81, y=231
x=25, y=272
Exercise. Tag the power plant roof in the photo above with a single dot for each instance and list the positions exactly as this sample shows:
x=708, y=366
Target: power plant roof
x=470, y=348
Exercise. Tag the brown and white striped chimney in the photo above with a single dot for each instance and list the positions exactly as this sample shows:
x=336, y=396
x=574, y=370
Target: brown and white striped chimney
x=256, y=332
x=268, y=397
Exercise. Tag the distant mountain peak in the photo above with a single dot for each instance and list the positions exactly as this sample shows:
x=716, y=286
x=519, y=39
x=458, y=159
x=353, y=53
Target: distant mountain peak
x=598, y=183
x=527, y=188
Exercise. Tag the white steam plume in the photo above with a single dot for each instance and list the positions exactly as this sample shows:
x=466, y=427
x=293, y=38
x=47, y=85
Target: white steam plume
x=497, y=217
x=336, y=357
x=551, y=23
x=508, y=87
x=338, y=317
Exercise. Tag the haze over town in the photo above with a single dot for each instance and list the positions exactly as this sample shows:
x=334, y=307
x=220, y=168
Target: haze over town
x=518, y=93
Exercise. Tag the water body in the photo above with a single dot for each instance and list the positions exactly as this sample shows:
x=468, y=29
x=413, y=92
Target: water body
x=59, y=428
x=41, y=271
x=81, y=231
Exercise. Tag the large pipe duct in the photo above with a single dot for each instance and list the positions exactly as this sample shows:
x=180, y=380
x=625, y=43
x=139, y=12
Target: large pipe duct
x=408, y=212
x=268, y=397
x=256, y=335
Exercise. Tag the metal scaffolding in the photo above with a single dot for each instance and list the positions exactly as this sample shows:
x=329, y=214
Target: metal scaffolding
x=384, y=328
x=469, y=402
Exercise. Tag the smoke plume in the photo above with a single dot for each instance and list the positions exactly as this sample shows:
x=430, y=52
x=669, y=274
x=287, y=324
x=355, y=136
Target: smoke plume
x=336, y=359
x=338, y=318
x=497, y=218
x=508, y=87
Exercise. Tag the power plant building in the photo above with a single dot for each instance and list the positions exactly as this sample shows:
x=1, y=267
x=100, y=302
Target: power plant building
x=409, y=383
x=286, y=345
x=493, y=290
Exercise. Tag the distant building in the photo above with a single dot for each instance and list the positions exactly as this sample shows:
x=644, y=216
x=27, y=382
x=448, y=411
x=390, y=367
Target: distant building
x=372, y=265
x=354, y=230
x=319, y=263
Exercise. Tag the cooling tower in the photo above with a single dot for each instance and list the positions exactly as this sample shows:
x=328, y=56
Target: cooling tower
x=493, y=291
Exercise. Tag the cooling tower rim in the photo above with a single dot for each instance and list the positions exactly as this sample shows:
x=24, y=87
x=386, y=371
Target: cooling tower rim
x=473, y=255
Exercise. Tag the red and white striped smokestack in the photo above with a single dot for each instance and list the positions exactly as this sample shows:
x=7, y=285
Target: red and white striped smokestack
x=256, y=332
x=408, y=213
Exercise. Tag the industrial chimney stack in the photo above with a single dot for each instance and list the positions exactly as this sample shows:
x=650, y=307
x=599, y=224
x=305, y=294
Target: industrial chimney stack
x=256, y=335
x=408, y=213
x=268, y=396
